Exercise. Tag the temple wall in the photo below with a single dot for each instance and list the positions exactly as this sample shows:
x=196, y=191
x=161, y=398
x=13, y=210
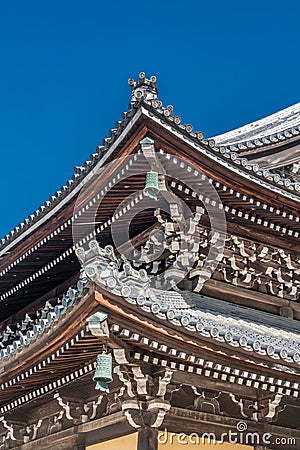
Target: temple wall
x=129, y=442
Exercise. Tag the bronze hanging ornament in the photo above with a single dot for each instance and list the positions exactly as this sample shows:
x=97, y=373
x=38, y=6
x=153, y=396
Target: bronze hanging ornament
x=151, y=188
x=103, y=372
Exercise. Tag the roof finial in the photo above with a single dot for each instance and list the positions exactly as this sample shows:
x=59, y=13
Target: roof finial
x=143, y=88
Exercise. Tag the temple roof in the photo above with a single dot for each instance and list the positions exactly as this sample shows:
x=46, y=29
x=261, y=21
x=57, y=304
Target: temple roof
x=203, y=292
x=234, y=325
x=38, y=254
x=283, y=124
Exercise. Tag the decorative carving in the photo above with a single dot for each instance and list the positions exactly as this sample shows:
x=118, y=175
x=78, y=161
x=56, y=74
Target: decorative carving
x=116, y=275
x=141, y=413
x=259, y=267
x=75, y=411
x=263, y=410
x=160, y=388
x=289, y=172
x=66, y=410
x=143, y=397
x=135, y=286
x=243, y=263
x=114, y=402
x=55, y=422
x=32, y=431
x=13, y=433
x=269, y=408
x=206, y=401
x=90, y=409
x=143, y=88
x=146, y=90
x=20, y=335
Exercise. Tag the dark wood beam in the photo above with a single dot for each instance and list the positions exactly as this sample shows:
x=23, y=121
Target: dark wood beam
x=69, y=439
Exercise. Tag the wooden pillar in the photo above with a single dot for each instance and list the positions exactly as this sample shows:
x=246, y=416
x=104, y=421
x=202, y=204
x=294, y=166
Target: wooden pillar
x=147, y=439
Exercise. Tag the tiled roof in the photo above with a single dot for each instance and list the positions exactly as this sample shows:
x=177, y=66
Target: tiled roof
x=239, y=326
x=142, y=90
x=277, y=127
x=19, y=335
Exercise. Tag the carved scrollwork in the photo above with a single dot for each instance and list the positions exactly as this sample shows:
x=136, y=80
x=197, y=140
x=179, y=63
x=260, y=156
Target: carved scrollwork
x=206, y=401
x=144, y=398
x=11, y=433
x=262, y=410
x=75, y=412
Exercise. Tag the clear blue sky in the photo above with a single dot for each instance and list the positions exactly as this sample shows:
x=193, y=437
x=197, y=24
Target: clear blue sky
x=65, y=65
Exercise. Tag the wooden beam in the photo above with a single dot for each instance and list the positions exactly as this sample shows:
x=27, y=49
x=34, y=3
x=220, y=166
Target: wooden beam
x=63, y=440
x=180, y=420
x=194, y=379
x=139, y=239
x=248, y=297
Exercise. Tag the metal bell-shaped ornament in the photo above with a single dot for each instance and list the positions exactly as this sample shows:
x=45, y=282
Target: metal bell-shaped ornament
x=151, y=189
x=103, y=372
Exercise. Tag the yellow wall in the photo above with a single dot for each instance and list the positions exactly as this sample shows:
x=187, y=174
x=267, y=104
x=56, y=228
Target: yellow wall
x=129, y=442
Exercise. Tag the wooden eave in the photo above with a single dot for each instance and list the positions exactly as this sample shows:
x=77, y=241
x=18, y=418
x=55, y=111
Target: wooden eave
x=126, y=317
x=169, y=142
x=40, y=255
x=180, y=144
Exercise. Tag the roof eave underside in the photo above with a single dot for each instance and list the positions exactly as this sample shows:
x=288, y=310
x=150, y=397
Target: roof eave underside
x=230, y=161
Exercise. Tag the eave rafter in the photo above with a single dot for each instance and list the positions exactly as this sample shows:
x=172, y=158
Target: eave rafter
x=222, y=168
x=141, y=337
x=240, y=208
